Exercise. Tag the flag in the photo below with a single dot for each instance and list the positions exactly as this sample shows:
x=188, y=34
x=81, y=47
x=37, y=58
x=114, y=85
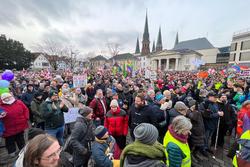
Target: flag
x=124, y=70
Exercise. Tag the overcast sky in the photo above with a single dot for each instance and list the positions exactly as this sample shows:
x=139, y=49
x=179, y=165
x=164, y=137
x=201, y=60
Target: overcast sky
x=90, y=24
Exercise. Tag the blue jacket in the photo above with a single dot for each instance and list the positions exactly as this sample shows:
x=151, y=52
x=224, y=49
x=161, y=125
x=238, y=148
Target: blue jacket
x=99, y=149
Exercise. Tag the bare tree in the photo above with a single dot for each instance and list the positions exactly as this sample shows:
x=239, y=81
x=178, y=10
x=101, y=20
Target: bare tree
x=58, y=53
x=114, y=48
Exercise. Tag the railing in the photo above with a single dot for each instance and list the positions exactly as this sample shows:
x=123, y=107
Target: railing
x=242, y=32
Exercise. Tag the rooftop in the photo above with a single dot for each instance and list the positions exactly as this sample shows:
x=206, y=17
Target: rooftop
x=194, y=44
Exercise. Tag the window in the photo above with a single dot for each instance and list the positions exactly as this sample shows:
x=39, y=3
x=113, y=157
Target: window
x=232, y=57
x=45, y=64
x=233, y=46
x=245, y=45
x=245, y=56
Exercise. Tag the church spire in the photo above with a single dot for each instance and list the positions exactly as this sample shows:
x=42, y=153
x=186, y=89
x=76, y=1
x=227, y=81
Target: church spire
x=145, y=41
x=137, y=49
x=176, y=40
x=159, y=42
x=153, y=48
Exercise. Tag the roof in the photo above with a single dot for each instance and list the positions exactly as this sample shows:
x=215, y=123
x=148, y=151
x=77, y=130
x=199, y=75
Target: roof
x=98, y=58
x=194, y=44
x=225, y=49
x=123, y=56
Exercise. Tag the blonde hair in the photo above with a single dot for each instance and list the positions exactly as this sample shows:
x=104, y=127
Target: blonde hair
x=181, y=124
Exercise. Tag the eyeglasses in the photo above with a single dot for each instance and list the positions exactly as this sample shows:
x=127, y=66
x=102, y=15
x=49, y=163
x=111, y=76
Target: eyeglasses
x=53, y=155
x=113, y=106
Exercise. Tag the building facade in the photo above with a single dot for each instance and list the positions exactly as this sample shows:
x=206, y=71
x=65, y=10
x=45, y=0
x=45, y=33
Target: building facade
x=40, y=61
x=98, y=61
x=240, y=48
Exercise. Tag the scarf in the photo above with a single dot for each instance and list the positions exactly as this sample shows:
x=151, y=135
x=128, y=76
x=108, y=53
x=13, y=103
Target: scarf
x=180, y=137
x=155, y=151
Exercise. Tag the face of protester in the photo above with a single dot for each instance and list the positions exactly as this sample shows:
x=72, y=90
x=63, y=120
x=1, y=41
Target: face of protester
x=152, y=96
x=90, y=116
x=138, y=102
x=99, y=94
x=50, y=158
x=223, y=99
x=54, y=98
x=114, y=108
x=53, y=84
x=212, y=98
x=241, y=82
x=30, y=88
x=186, y=132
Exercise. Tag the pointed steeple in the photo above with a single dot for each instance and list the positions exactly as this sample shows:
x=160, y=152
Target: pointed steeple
x=159, y=42
x=153, y=48
x=137, y=49
x=176, y=40
x=145, y=41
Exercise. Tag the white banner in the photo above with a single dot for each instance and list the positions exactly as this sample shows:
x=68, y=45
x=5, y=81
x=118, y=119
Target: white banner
x=71, y=115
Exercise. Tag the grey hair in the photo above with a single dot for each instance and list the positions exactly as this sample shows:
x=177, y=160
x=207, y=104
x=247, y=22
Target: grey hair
x=181, y=124
x=246, y=103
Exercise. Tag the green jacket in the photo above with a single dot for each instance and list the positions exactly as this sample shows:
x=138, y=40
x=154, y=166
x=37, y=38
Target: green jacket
x=152, y=152
x=53, y=117
x=36, y=110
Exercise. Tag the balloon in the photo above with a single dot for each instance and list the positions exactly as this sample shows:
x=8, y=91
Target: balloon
x=4, y=90
x=4, y=84
x=8, y=75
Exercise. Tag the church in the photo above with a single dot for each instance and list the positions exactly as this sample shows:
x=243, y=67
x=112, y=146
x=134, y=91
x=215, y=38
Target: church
x=184, y=56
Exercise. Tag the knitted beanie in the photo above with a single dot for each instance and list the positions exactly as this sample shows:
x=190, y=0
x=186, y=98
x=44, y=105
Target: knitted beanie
x=100, y=131
x=146, y=133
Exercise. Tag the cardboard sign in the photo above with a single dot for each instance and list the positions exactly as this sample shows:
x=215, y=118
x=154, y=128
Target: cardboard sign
x=80, y=80
x=71, y=115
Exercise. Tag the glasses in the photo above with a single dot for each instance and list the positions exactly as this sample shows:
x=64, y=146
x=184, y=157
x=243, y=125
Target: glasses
x=113, y=106
x=53, y=155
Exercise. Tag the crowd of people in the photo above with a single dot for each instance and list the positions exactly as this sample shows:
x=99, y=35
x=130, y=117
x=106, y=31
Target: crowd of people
x=126, y=121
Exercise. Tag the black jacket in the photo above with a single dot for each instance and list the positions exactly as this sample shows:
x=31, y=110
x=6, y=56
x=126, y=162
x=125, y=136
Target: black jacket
x=81, y=137
x=144, y=114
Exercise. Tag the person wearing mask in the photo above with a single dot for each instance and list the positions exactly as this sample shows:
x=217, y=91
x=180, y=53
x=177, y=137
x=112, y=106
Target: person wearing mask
x=35, y=109
x=15, y=121
x=42, y=151
x=210, y=113
x=176, y=143
x=82, y=136
x=140, y=112
x=116, y=122
x=145, y=150
x=98, y=104
x=52, y=111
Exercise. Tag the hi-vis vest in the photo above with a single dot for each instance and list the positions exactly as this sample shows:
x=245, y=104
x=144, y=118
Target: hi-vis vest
x=246, y=136
x=186, y=162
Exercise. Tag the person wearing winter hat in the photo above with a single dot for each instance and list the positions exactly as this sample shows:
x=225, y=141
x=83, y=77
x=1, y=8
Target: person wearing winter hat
x=15, y=122
x=176, y=143
x=81, y=137
x=118, y=117
x=35, y=109
x=179, y=109
x=145, y=150
x=52, y=112
x=102, y=148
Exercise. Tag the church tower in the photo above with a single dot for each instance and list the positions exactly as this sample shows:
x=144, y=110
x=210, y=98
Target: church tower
x=145, y=41
x=159, y=42
x=137, y=49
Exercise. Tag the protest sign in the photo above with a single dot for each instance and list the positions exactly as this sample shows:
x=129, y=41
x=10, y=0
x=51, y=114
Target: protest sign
x=80, y=80
x=71, y=115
